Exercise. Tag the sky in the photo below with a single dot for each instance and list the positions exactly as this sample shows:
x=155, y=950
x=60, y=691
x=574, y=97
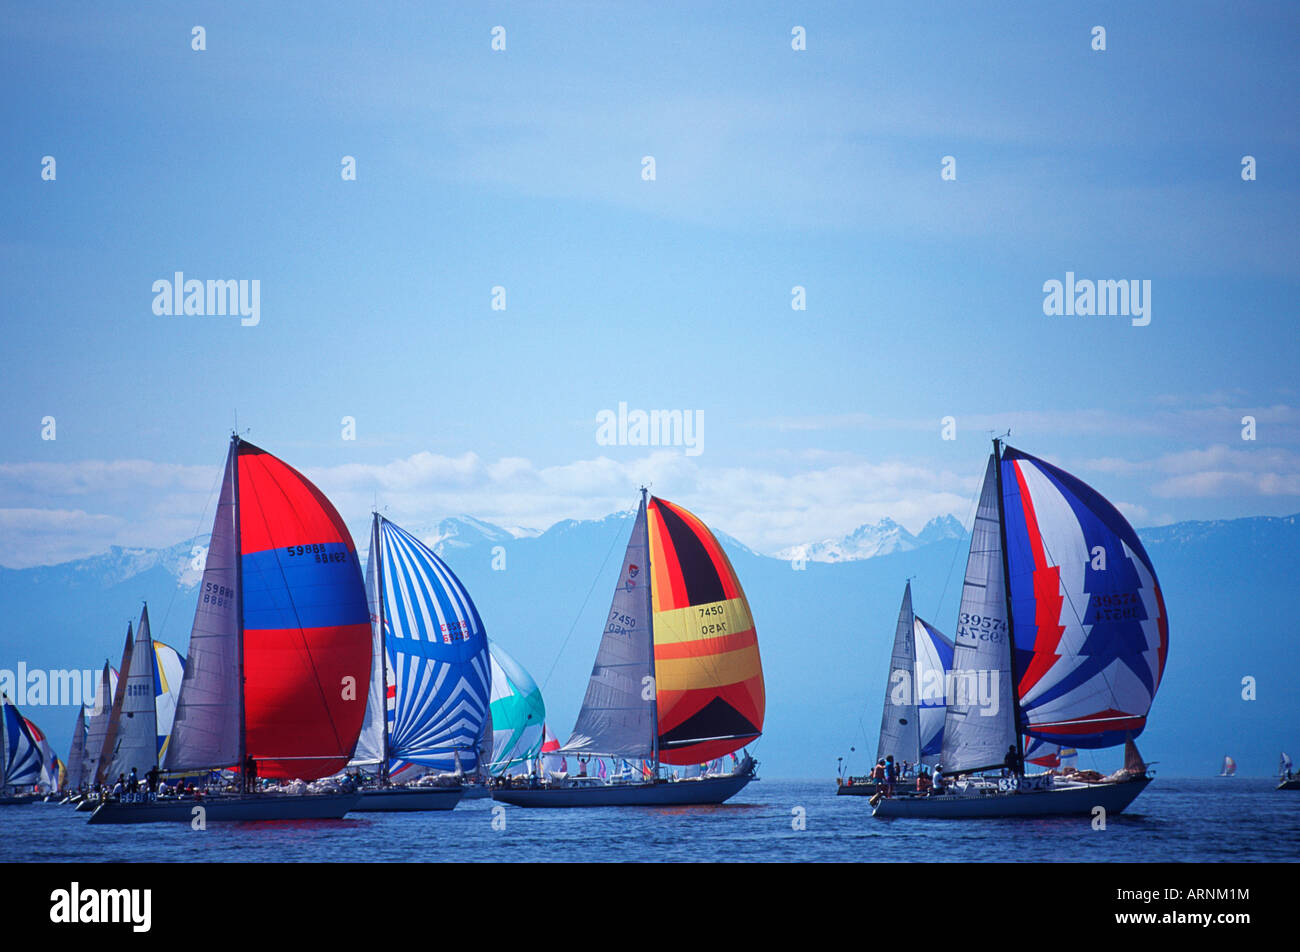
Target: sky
x=523, y=169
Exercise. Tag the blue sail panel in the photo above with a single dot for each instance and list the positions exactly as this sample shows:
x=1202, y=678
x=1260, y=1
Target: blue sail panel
x=1091, y=631
x=438, y=656
x=934, y=654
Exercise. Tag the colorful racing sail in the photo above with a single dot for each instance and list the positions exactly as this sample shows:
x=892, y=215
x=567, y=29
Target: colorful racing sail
x=168, y=673
x=436, y=652
x=20, y=754
x=708, y=677
x=1090, y=629
x=518, y=714
x=279, y=551
x=53, y=774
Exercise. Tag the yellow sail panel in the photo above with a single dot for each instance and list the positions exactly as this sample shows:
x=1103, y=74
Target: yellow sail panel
x=708, y=675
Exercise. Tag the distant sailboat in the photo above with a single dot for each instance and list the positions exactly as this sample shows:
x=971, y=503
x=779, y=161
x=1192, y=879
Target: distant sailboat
x=1061, y=637
x=1229, y=768
x=133, y=732
x=911, y=723
x=677, y=678
x=280, y=632
x=1286, y=774
x=20, y=757
x=429, y=686
x=77, y=755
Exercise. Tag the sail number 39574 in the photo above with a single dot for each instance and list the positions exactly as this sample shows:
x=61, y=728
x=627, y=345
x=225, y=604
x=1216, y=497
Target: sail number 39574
x=981, y=627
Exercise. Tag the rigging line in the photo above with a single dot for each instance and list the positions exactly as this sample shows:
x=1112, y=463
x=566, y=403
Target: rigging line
x=220, y=477
x=617, y=535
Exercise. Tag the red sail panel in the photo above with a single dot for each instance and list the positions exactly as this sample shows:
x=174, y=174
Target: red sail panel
x=708, y=675
x=307, y=646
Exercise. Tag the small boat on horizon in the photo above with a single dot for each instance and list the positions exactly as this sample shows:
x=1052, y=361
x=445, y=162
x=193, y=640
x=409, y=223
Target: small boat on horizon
x=677, y=678
x=281, y=623
x=1287, y=780
x=1229, y=768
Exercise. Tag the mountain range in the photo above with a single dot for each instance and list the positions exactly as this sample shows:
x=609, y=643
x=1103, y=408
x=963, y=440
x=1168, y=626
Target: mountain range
x=825, y=619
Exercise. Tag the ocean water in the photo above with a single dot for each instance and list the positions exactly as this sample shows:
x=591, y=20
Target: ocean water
x=1174, y=820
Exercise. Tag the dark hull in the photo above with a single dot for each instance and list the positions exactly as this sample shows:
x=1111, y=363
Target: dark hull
x=407, y=799
x=1289, y=784
x=1070, y=801
x=228, y=809
x=17, y=801
x=710, y=790
x=855, y=790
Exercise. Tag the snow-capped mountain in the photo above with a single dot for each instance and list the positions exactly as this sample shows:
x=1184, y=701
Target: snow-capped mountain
x=869, y=541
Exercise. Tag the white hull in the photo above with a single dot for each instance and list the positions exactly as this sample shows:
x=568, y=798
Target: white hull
x=1061, y=801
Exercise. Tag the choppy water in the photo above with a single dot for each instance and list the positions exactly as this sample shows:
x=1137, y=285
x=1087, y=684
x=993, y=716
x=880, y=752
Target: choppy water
x=1180, y=820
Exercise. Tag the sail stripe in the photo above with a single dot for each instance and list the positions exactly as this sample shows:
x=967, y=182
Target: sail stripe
x=734, y=641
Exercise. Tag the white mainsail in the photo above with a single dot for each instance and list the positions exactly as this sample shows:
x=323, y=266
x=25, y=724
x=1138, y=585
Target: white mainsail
x=370, y=744
x=980, y=722
x=100, y=713
x=900, y=734
x=206, y=729
x=136, y=742
x=618, y=710
x=77, y=755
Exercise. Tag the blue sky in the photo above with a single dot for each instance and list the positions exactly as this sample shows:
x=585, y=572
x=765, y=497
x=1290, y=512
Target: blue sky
x=522, y=168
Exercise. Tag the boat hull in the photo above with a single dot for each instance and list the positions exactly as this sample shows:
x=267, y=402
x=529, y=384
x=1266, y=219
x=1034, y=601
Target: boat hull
x=1289, y=784
x=17, y=801
x=478, y=791
x=408, y=799
x=1069, y=801
x=709, y=790
x=243, y=808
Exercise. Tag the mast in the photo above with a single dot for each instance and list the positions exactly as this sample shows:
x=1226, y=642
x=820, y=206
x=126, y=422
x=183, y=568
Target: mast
x=383, y=647
x=654, y=677
x=1006, y=591
x=239, y=608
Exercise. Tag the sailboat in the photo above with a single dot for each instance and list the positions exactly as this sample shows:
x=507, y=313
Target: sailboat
x=911, y=724
x=518, y=715
x=1062, y=636
x=429, y=685
x=101, y=714
x=677, y=678
x=1285, y=772
x=132, y=740
x=169, y=672
x=1229, y=768
x=20, y=757
x=77, y=781
x=279, y=652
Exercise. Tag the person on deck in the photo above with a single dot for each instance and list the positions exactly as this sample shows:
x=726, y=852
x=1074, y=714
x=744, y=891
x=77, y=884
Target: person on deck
x=938, y=783
x=1013, y=762
x=878, y=775
x=250, y=773
x=922, y=782
x=133, y=782
x=891, y=775
x=151, y=779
